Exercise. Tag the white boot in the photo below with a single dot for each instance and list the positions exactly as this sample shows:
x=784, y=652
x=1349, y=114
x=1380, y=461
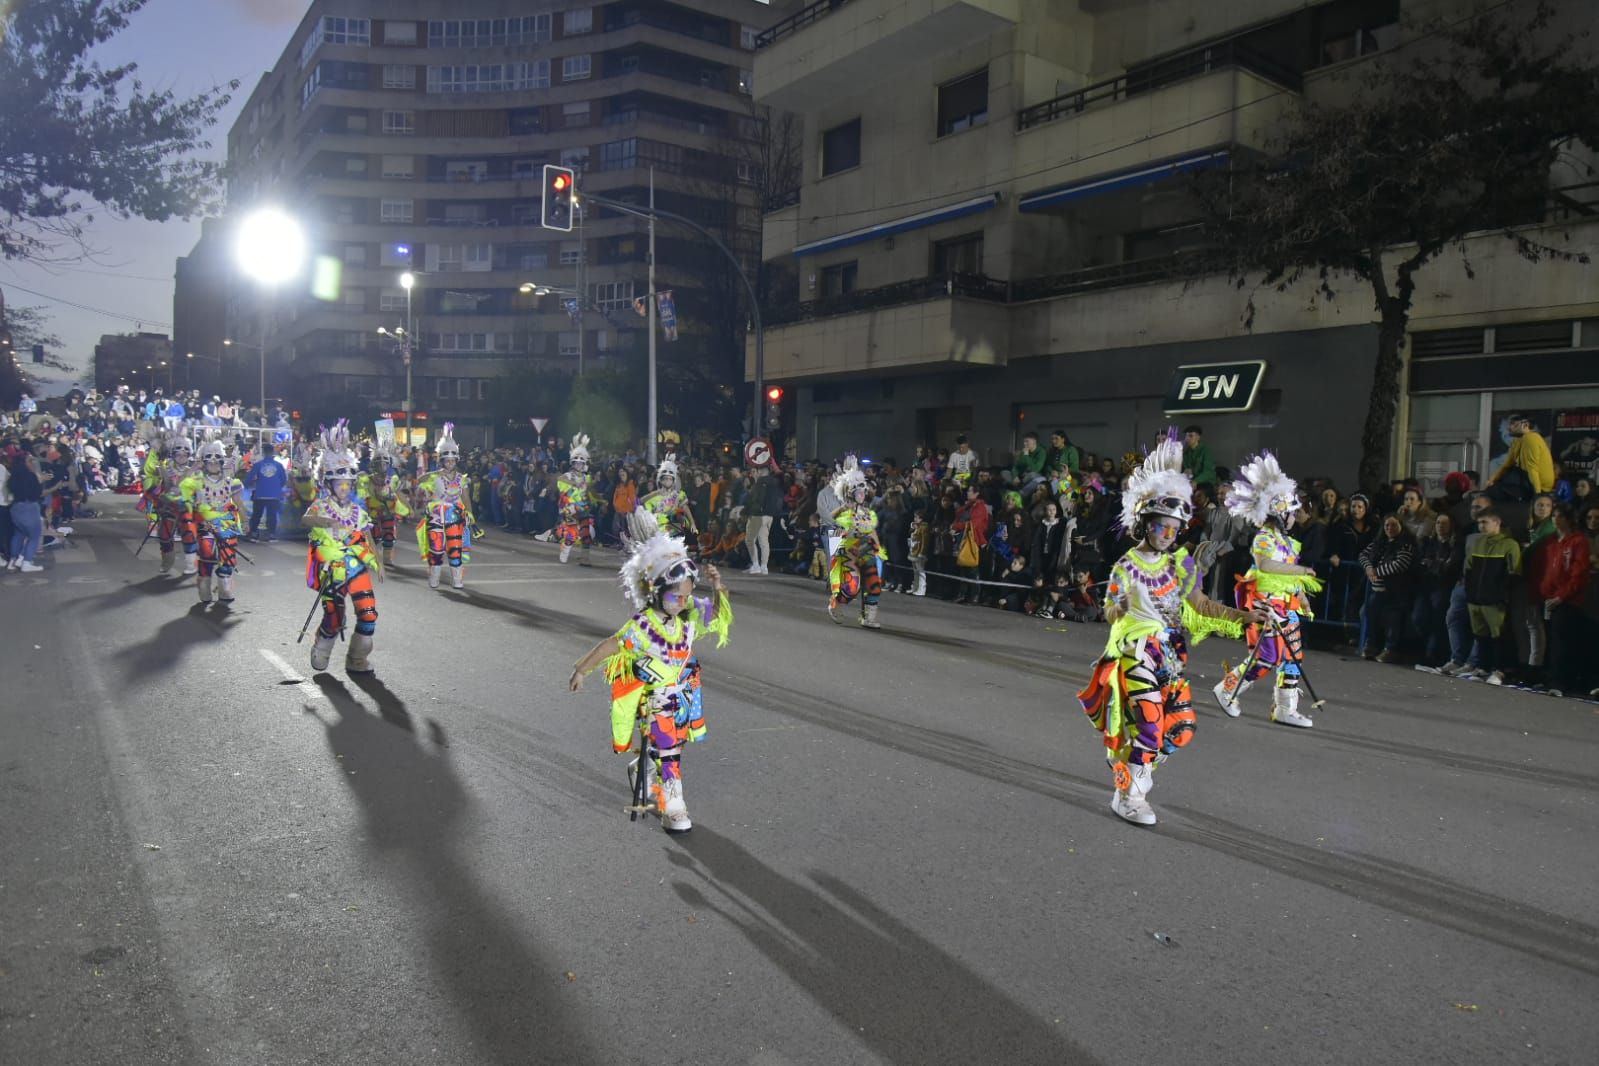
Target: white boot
x=321, y=652
x=1229, y=690
x=388, y=556
x=225, y=588
x=433, y=576
x=202, y=583
x=458, y=576
x=166, y=562
x=674, y=812
x=191, y=563
x=566, y=552
x=869, y=617
x=921, y=584
x=1285, y=708
x=355, y=662
x=1130, y=803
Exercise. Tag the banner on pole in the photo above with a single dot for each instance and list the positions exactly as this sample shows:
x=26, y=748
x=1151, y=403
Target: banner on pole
x=573, y=311
x=384, y=429
x=668, y=309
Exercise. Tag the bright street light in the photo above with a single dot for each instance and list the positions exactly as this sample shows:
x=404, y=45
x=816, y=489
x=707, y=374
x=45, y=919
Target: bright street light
x=407, y=281
x=270, y=246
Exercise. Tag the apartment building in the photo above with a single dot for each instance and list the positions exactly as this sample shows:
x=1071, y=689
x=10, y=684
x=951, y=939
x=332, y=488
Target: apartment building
x=137, y=360
x=411, y=135
x=991, y=227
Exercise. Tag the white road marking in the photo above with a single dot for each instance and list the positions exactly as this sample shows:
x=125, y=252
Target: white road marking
x=310, y=691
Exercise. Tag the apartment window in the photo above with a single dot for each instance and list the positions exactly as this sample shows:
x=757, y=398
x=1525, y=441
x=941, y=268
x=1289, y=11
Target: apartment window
x=838, y=279
x=399, y=122
x=397, y=210
x=571, y=253
x=958, y=255
x=576, y=68
x=529, y=119
x=355, y=298
x=476, y=33
x=746, y=82
x=458, y=342
x=464, y=214
x=337, y=30
x=355, y=122
x=575, y=114
x=355, y=164
x=394, y=255
x=612, y=295
x=963, y=103
x=399, y=33
x=399, y=76
x=841, y=147
x=749, y=172
x=467, y=171
x=627, y=65
x=568, y=344
x=399, y=167
x=578, y=20
x=355, y=255
x=463, y=388
x=441, y=388
x=482, y=388
x=392, y=300
x=533, y=260
x=576, y=158
x=524, y=213
x=746, y=37
x=526, y=170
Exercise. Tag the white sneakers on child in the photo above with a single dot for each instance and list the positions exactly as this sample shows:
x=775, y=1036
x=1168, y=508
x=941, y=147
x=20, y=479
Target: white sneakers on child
x=1285, y=708
x=1129, y=803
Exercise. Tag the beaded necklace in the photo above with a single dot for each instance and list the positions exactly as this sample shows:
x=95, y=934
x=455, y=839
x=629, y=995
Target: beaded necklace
x=347, y=515
x=669, y=639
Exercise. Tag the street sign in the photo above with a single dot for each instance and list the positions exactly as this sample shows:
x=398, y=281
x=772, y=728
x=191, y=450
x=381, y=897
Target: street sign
x=758, y=452
x=1210, y=388
x=539, y=424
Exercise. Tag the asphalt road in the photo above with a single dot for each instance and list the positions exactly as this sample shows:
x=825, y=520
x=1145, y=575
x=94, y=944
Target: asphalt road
x=903, y=851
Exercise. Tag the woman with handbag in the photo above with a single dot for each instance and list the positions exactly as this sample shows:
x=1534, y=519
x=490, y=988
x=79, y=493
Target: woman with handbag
x=971, y=528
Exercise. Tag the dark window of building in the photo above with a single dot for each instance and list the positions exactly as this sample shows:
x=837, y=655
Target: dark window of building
x=841, y=147
x=958, y=255
x=527, y=120
x=838, y=279
x=963, y=103
x=1356, y=28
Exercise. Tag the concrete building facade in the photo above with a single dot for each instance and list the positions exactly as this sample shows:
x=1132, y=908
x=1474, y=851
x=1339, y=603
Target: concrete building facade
x=992, y=222
x=411, y=136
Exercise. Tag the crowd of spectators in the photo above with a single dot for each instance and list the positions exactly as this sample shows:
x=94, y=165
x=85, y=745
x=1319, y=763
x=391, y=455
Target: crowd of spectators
x=1498, y=581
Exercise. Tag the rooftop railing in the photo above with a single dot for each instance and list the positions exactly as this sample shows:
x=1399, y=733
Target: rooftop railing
x=797, y=21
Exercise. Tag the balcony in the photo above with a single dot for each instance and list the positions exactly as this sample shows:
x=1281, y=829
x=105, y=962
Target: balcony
x=833, y=49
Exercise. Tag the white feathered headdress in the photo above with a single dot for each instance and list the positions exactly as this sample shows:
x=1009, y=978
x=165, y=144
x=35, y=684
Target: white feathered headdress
x=338, y=461
x=1262, y=491
x=658, y=560
x=668, y=468
x=174, y=441
x=580, y=448
x=1158, y=486
x=383, y=457
x=447, y=445
x=848, y=478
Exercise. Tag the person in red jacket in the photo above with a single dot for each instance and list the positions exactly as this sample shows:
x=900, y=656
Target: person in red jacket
x=972, y=517
x=1562, y=586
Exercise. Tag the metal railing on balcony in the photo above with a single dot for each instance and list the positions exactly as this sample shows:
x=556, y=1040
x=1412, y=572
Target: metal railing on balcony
x=797, y=21
x=916, y=290
x=1180, y=67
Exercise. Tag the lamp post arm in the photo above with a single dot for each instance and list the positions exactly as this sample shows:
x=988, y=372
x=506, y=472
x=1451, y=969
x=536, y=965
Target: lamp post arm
x=749, y=290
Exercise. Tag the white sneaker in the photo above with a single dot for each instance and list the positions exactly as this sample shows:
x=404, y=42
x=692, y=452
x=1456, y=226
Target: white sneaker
x=458, y=576
x=1229, y=697
x=674, y=815
x=1452, y=668
x=1131, y=805
x=433, y=576
x=65, y=531
x=1471, y=673
x=14, y=562
x=1496, y=678
x=30, y=568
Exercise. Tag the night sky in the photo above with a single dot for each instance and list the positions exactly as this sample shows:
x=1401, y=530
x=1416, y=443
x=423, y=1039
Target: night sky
x=188, y=46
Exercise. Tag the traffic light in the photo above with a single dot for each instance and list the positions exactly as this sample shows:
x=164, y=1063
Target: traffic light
x=559, y=185
x=774, y=406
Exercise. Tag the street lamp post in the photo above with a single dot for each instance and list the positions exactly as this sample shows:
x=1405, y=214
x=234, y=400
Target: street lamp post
x=408, y=282
x=269, y=248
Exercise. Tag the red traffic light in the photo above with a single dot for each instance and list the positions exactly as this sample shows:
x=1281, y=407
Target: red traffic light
x=560, y=182
x=775, y=393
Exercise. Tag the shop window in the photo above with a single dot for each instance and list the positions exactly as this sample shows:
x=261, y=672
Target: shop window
x=841, y=147
x=838, y=279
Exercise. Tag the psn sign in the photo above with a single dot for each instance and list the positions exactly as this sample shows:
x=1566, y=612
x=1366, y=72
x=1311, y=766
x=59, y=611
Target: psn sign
x=1207, y=388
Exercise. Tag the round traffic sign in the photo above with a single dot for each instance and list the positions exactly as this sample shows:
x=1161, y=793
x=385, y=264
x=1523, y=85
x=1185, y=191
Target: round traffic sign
x=758, y=452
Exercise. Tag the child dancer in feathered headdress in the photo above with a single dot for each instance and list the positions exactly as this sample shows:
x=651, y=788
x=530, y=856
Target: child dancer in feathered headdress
x=650, y=663
x=341, y=560
x=857, y=565
x=1267, y=498
x=444, y=498
x=1138, y=698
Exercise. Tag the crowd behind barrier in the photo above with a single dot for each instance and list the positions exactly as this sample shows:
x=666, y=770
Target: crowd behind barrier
x=1035, y=536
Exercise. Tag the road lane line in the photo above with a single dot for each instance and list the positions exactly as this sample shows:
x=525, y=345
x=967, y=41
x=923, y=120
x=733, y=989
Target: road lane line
x=291, y=674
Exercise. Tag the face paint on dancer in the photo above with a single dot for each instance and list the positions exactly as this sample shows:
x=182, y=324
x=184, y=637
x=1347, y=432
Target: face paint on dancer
x=342, y=490
x=1163, y=533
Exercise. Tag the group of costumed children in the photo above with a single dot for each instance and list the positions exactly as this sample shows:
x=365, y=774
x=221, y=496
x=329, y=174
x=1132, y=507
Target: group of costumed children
x=1138, y=697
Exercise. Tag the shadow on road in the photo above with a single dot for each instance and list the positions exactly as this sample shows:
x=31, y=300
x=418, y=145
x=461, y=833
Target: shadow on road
x=172, y=641
x=903, y=995
x=511, y=996
x=540, y=618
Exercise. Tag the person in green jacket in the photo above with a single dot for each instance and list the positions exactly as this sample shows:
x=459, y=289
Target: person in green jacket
x=1062, y=455
x=1197, y=463
x=1028, y=466
x=1492, y=561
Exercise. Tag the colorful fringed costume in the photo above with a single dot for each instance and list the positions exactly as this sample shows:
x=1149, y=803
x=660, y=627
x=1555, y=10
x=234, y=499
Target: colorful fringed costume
x=165, y=469
x=214, y=499
x=381, y=498
x=666, y=510
x=1265, y=497
x=444, y=502
x=340, y=562
x=857, y=563
x=575, y=503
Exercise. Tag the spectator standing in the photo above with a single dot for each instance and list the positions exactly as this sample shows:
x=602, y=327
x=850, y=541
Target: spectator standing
x=1529, y=468
x=1563, y=588
x=962, y=462
x=1439, y=564
x=1491, y=565
x=760, y=504
x=267, y=482
x=893, y=529
x=970, y=530
x=1526, y=611
x=1197, y=462
x=27, y=523
x=1417, y=518
x=1388, y=561
x=5, y=511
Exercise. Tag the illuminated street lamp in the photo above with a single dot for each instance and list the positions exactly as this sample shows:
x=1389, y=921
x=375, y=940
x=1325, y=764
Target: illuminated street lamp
x=270, y=249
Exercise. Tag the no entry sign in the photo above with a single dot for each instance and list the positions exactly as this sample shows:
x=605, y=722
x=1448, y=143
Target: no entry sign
x=758, y=452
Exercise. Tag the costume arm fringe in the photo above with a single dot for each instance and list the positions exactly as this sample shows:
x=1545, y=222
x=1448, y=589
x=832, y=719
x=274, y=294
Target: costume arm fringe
x=722, y=620
x=1201, y=625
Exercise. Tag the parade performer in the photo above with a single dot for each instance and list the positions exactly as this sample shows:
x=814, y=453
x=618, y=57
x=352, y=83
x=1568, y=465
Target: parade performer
x=302, y=477
x=1138, y=698
x=1265, y=497
x=382, y=498
x=214, y=499
x=341, y=561
x=667, y=508
x=652, y=669
x=443, y=498
x=165, y=468
x=576, y=503
x=857, y=565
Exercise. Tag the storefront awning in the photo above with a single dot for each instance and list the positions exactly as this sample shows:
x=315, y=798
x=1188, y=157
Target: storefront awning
x=1045, y=198
x=900, y=225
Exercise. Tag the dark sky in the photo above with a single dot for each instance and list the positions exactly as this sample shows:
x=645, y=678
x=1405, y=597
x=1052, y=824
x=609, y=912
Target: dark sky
x=185, y=45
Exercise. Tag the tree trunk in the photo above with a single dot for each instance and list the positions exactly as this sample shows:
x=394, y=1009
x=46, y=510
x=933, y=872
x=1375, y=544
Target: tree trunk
x=1377, y=436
